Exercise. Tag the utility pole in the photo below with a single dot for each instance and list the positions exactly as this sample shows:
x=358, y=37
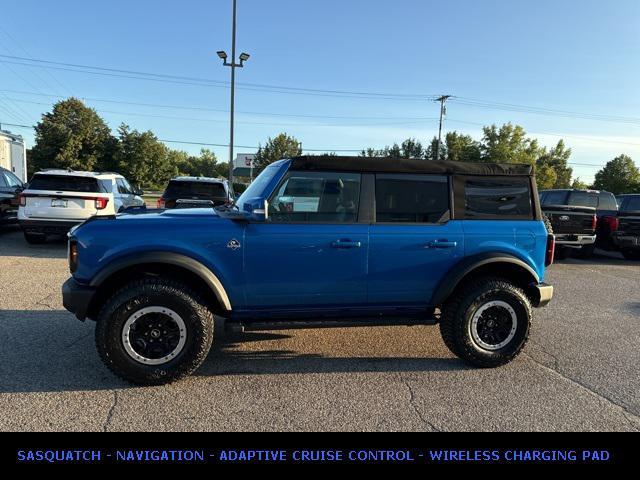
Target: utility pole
x=243, y=58
x=443, y=111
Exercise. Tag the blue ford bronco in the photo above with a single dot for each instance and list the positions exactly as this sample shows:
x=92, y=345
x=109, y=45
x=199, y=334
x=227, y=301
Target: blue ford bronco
x=317, y=241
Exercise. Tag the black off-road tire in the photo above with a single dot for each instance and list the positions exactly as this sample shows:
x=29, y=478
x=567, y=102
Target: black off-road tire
x=457, y=315
x=631, y=254
x=156, y=291
x=35, y=238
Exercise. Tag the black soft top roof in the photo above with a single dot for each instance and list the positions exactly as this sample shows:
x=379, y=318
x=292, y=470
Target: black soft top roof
x=404, y=165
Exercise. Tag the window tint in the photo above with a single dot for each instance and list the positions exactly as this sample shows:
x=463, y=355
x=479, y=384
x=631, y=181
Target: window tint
x=583, y=199
x=12, y=180
x=64, y=183
x=606, y=201
x=199, y=190
x=492, y=197
x=412, y=198
x=632, y=204
x=554, y=198
x=122, y=186
x=316, y=197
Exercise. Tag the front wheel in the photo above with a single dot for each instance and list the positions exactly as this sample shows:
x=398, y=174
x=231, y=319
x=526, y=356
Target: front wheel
x=486, y=322
x=154, y=331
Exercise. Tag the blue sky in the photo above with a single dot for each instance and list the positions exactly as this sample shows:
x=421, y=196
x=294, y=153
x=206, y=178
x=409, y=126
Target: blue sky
x=569, y=55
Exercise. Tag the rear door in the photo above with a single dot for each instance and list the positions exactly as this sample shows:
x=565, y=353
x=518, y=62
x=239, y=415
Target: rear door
x=413, y=242
x=62, y=197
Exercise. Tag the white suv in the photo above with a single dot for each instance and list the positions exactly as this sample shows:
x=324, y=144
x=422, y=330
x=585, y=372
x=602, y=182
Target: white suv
x=56, y=200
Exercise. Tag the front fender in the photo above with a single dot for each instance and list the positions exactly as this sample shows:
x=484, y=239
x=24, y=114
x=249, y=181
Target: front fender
x=170, y=258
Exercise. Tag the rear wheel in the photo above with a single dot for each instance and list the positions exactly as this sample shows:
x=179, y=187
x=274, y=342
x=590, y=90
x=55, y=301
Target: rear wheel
x=35, y=238
x=631, y=254
x=154, y=331
x=486, y=322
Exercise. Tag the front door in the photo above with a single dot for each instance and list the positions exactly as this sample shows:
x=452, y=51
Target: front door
x=413, y=242
x=311, y=253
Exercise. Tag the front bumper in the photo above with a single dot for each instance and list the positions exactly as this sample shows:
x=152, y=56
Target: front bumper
x=77, y=297
x=626, y=241
x=576, y=241
x=47, y=226
x=542, y=294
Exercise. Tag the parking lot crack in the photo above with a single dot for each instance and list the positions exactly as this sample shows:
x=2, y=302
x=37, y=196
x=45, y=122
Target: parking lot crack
x=631, y=418
x=111, y=412
x=414, y=407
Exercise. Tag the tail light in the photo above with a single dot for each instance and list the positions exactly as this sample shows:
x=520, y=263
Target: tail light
x=594, y=222
x=73, y=256
x=101, y=203
x=23, y=200
x=160, y=203
x=612, y=223
x=551, y=248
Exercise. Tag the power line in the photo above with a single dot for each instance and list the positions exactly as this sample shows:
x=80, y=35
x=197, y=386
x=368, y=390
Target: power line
x=203, y=81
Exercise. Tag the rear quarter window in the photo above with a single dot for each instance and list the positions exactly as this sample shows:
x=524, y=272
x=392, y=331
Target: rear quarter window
x=65, y=183
x=493, y=198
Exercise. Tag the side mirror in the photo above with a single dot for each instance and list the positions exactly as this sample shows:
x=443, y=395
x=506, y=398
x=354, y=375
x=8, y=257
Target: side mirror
x=138, y=191
x=258, y=209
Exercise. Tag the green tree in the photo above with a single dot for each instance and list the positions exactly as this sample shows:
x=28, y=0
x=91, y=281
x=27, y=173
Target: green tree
x=557, y=158
x=620, y=175
x=282, y=146
x=203, y=165
x=508, y=144
x=430, y=153
x=579, y=184
x=143, y=159
x=546, y=177
x=462, y=148
x=72, y=136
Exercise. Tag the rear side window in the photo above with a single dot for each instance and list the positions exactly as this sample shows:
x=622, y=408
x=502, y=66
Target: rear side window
x=3, y=182
x=412, y=198
x=606, y=201
x=65, y=183
x=554, y=198
x=493, y=198
x=632, y=204
x=178, y=189
x=326, y=197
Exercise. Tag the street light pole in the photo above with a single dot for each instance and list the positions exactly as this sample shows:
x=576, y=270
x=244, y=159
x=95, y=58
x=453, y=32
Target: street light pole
x=243, y=58
x=442, y=99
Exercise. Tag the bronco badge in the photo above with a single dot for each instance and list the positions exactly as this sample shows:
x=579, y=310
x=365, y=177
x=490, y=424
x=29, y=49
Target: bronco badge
x=233, y=244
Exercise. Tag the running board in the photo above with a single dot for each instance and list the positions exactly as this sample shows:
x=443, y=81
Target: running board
x=305, y=324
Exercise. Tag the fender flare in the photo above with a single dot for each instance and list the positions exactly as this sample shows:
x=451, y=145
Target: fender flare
x=451, y=280
x=177, y=259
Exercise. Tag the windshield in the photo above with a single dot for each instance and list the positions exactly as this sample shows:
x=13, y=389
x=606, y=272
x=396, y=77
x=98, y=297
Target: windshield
x=258, y=186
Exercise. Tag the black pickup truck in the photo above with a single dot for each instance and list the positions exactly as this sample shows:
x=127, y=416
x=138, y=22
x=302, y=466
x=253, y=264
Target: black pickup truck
x=581, y=219
x=627, y=237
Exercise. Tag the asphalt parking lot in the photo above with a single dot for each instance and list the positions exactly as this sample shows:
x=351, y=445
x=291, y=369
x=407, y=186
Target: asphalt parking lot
x=580, y=370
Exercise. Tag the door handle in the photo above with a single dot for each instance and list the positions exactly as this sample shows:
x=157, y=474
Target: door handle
x=441, y=244
x=346, y=244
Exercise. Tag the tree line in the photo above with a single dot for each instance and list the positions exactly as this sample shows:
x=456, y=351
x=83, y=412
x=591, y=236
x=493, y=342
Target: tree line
x=74, y=136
